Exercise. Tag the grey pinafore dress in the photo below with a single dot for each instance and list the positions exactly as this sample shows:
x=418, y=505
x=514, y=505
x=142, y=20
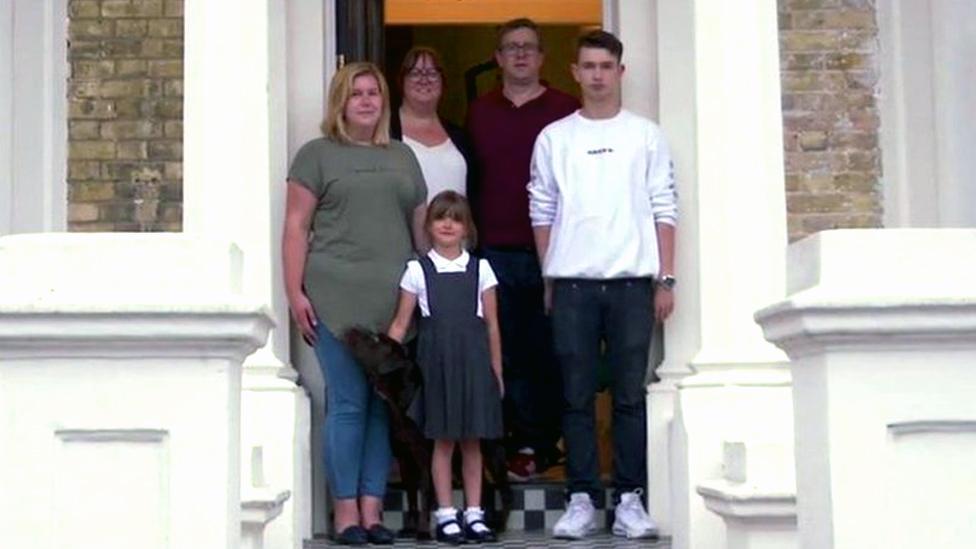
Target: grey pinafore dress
x=461, y=399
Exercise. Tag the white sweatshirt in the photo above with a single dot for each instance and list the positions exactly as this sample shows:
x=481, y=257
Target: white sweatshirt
x=601, y=185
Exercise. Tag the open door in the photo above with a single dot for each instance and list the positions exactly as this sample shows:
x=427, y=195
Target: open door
x=359, y=31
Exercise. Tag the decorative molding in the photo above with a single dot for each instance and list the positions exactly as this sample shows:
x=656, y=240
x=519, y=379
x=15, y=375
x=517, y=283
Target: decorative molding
x=802, y=329
x=261, y=506
x=112, y=435
x=739, y=375
x=915, y=427
x=745, y=501
x=229, y=334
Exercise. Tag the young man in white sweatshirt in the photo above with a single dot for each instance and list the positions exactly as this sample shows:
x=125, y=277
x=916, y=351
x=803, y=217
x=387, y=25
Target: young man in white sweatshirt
x=603, y=209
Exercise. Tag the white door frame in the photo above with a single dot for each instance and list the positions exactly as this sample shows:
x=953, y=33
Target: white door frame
x=635, y=23
x=312, y=62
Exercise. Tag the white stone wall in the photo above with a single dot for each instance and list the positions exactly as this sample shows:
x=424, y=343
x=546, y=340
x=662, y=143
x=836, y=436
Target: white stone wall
x=120, y=390
x=880, y=326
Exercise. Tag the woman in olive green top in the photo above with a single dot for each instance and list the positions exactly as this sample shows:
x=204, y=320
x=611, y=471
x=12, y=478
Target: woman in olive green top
x=362, y=196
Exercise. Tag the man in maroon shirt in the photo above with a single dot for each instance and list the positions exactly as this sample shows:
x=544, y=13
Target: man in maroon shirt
x=503, y=125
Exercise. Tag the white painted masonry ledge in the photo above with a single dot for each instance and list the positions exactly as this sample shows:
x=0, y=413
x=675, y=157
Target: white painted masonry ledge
x=258, y=508
x=880, y=327
x=120, y=390
x=756, y=496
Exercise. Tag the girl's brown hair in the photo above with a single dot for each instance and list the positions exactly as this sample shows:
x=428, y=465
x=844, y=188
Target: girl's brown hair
x=450, y=204
x=340, y=90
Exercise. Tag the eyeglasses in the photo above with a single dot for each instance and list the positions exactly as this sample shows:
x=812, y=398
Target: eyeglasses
x=424, y=74
x=512, y=48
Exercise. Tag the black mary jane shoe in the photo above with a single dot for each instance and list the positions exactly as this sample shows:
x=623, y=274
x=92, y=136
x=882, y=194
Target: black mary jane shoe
x=378, y=534
x=353, y=535
x=453, y=539
x=481, y=535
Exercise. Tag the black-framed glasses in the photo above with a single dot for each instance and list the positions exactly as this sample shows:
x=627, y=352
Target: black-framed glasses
x=423, y=74
x=512, y=48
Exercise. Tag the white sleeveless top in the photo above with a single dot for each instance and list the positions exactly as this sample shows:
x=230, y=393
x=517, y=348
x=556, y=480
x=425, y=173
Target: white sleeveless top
x=443, y=166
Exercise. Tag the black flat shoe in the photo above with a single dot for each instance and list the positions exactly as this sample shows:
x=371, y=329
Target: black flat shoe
x=453, y=539
x=380, y=535
x=481, y=535
x=353, y=535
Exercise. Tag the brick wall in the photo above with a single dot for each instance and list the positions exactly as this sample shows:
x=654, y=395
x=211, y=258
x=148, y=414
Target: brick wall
x=829, y=57
x=125, y=115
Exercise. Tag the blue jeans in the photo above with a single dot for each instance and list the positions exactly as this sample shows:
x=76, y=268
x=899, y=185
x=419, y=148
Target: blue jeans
x=620, y=314
x=532, y=406
x=356, y=432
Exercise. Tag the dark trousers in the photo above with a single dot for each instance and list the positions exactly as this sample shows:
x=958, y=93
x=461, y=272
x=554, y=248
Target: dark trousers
x=532, y=405
x=587, y=314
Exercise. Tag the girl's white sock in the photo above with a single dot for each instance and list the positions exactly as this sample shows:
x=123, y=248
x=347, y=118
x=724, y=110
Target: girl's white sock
x=447, y=514
x=472, y=514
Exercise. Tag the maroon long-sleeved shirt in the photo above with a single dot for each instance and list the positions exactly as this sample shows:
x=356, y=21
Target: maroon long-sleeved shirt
x=502, y=136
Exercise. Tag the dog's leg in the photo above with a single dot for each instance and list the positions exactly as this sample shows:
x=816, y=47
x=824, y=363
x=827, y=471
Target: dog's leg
x=493, y=453
x=409, y=477
x=423, y=488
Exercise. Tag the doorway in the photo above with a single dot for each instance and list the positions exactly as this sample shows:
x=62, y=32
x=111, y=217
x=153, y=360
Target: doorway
x=464, y=33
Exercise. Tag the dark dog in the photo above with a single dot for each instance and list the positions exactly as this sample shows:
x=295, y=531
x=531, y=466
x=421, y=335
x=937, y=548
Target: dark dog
x=398, y=381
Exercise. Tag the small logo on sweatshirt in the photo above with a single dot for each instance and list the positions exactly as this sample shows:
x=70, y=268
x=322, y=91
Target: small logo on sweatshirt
x=604, y=150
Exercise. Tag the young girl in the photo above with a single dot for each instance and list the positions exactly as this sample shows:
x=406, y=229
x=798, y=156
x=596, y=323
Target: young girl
x=459, y=353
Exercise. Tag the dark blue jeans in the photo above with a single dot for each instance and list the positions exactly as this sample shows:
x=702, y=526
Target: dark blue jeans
x=587, y=314
x=532, y=405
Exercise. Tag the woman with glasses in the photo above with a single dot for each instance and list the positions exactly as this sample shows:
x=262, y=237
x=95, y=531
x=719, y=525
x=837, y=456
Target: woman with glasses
x=441, y=147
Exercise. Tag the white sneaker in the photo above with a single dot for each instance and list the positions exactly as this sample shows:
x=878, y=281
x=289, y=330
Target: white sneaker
x=631, y=520
x=579, y=520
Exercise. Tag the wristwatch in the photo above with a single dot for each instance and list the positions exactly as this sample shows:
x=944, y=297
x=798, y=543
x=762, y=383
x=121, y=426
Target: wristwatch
x=667, y=282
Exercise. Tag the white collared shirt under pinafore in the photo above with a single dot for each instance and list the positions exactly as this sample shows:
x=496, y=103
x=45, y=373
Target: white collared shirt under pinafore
x=461, y=398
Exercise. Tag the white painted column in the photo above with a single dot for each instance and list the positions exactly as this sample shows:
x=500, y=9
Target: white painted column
x=235, y=164
x=235, y=155
x=311, y=63
x=6, y=114
x=719, y=104
x=33, y=116
x=635, y=23
x=954, y=37
x=927, y=71
x=880, y=326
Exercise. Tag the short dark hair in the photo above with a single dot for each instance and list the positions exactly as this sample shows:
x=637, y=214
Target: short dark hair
x=515, y=24
x=453, y=205
x=601, y=39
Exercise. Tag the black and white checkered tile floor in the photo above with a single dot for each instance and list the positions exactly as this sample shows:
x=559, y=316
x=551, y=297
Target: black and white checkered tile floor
x=530, y=540
x=535, y=509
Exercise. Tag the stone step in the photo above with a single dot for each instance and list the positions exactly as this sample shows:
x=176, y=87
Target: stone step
x=531, y=540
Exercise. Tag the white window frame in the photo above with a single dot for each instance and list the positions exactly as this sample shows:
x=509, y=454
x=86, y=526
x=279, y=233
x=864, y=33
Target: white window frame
x=926, y=118
x=33, y=116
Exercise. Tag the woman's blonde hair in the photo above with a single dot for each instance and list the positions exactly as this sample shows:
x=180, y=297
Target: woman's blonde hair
x=340, y=90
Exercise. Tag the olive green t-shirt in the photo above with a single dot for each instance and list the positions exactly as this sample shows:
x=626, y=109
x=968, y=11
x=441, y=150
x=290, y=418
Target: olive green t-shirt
x=361, y=230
